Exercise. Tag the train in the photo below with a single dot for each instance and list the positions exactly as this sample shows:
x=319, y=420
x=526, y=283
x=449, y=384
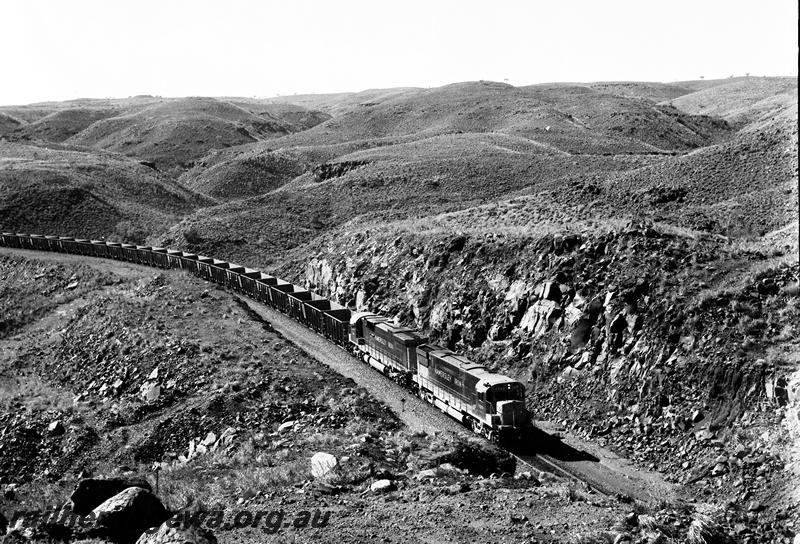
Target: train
x=491, y=405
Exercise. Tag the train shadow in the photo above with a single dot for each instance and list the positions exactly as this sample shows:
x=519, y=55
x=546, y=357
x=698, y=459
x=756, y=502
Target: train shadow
x=536, y=441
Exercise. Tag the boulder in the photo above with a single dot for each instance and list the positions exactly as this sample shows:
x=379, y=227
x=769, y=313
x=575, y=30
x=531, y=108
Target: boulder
x=92, y=492
x=55, y=428
x=210, y=439
x=322, y=464
x=286, y=426
x=425, y=474
x=150, y=392
x=382, y=486
x=129, y=513
x=461, y=487
x=540, y=317
x=168, y=533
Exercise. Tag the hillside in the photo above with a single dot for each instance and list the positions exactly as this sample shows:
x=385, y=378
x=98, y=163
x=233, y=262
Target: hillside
x=429, y=151
x=63, y=124
x=337, y=103
x=8, y=123
x=171, y=133
x=435, y=175
x=231, y=411
x=746, y=186
x=572, y=119
x=628, y=250
x=739, y=100
x=70, y=192
x=255, y=169
x=175, y=133
x=646, y=340
x=656, y=92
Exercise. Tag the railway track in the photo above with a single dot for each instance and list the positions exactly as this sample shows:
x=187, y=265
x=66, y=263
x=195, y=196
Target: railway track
x=608, y=484
x=542, y=462
x=291, y=328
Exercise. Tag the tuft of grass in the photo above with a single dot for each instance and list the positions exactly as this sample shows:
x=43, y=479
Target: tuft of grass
x=704, y=530
x=595, y=537
x=220, y=476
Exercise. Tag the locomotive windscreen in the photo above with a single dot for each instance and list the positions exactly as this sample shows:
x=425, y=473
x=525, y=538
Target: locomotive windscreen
x=506, y=391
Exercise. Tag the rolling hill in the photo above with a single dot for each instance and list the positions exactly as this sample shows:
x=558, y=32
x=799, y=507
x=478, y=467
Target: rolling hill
x=171, y=133
x=71, y=192
x=739, y=100
x=420, y=152
x=573, y=119
x=627, y=250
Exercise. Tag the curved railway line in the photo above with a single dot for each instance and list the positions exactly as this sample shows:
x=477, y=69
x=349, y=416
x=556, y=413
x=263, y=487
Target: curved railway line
x=539, y=450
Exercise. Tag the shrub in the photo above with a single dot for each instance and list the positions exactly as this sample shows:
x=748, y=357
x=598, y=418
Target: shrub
x=192, y=236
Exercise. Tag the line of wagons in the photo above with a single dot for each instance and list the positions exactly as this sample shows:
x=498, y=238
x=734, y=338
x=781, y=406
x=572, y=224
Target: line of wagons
x=492, y=405
x=324, y=316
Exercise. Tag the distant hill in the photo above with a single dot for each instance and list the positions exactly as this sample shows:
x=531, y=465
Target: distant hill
x=172, y=133
x=63, y=124
x=177, y=132
x=738, y=100
x=8, y=123
x=277, y=175
x=646, y=90
x=69, y=192
x=656, y=92
x=411, y=179
x=572, y=119
x=338, y=103
x=405, y=125
x=743, y=187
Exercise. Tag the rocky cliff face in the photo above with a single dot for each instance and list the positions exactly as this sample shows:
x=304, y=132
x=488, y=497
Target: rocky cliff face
x=675, y=350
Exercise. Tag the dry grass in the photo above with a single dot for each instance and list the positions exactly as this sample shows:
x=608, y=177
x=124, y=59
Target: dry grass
x=220, y=476
x=29, y=393
x=704, y=530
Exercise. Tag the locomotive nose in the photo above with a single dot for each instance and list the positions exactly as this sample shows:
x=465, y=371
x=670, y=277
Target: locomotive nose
x=513, y=413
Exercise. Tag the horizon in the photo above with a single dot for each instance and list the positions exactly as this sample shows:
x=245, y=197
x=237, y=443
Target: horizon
x=545, y=83
x=177, y=48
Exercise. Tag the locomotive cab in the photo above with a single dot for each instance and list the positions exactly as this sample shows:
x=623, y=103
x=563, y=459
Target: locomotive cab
x=504, y=402
x=509, y=401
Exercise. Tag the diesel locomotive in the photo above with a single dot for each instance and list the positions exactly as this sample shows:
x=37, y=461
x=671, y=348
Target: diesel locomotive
x=490, y=404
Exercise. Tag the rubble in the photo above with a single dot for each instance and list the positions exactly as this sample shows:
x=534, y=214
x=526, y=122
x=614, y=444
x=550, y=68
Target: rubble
x=168, y=534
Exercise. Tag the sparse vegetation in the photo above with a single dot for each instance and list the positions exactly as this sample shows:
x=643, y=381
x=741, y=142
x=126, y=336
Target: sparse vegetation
x=660, y=219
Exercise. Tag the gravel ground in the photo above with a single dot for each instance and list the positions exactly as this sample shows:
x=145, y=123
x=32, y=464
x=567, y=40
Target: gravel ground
x=413, y=411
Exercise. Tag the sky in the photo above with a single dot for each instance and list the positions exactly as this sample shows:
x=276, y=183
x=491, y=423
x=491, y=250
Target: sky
x=58, y=49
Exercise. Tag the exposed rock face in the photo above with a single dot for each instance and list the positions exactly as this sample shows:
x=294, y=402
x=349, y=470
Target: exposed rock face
x=92, y=492
x=650, y=341
x=129, y=513
x=336, y=169
x=792, y=425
